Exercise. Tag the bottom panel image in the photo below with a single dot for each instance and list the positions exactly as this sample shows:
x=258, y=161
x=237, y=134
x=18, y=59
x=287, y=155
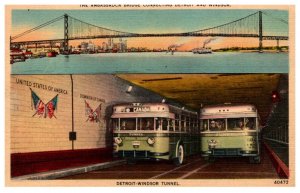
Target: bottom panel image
x=150, y=129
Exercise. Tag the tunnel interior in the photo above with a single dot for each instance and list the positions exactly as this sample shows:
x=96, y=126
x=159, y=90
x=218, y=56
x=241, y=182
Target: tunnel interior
x=268, y=92
x=33, y=136
x=198, y=90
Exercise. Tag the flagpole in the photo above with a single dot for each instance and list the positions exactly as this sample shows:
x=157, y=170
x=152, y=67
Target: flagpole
x=31, y=98
x=72, y=109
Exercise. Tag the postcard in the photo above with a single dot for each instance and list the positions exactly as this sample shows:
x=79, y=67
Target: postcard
x=150, y=95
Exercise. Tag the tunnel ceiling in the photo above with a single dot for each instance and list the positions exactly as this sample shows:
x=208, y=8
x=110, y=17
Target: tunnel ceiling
x=206, y=89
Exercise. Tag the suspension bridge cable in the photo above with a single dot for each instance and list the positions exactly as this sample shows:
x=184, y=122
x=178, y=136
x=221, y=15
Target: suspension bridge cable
x=99, y=26
x=38, y=27
x=282, y=20
x=225, y=23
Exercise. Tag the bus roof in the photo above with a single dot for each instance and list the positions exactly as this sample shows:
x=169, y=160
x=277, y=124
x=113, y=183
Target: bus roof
x=149, y=107
x=228, y=109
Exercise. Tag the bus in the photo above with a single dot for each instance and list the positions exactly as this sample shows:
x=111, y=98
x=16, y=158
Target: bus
x=230, y=131
x=154, y=131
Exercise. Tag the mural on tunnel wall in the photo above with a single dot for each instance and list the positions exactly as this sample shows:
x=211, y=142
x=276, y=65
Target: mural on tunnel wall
x=43, y=109
x=93, y=115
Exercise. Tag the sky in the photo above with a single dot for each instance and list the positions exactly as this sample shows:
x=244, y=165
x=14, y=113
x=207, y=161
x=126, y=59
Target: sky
x=149, y=21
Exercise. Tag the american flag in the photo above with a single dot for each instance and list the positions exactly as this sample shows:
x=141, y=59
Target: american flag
x=38, y=104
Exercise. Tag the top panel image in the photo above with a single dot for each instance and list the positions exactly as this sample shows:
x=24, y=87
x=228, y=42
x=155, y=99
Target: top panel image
x=43, y=40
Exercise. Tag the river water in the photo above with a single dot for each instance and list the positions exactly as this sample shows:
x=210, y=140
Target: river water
x=180, y=62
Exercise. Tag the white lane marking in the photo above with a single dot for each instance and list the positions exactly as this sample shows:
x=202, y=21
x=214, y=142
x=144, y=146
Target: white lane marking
x=193, y=171
x=167, y=172
x=113, y=172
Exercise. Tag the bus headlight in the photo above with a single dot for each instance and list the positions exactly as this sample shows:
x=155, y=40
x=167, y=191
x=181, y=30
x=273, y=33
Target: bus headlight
x=212, y=143
x=150, y=140
x=118, y=140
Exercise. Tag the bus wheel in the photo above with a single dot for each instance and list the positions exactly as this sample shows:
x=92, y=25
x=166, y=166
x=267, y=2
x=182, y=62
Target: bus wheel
x=180, y=156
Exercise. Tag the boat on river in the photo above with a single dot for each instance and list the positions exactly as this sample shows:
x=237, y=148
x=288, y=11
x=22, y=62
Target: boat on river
x=51, y=53
x=17, y=56
x=202, y=50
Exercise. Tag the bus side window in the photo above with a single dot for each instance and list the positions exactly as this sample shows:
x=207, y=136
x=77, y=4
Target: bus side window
x=116, y=124
x=171, y=125
x=250, y=123
x=192, y=125
x=188, y=124
x=197, y=127
x=123, y=125
x=158, y=123
x=176, y=125
x=204, y=125
x=139, y=124
x=183, y=123
x=164, y=124
x=176, y=122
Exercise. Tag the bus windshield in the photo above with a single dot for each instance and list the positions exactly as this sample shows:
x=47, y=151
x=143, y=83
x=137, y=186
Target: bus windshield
x=144, y=123
x=128, y=124
x=228, y=124
x=134, y=124
x=238, y=124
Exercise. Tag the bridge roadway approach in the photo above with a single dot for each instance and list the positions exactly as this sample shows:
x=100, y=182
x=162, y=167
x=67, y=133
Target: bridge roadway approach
x=195, y=167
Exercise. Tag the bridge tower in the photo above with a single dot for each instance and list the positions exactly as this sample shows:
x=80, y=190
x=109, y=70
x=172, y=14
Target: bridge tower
x=277, y=47
x=260, y=33
x=66, y=34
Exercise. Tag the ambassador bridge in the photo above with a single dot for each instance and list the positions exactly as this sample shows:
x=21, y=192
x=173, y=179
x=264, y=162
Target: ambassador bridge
x=252, y=26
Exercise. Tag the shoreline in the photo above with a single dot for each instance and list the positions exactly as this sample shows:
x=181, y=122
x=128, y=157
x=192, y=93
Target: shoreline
x=249, y=51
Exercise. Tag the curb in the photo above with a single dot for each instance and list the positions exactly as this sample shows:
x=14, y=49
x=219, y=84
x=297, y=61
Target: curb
x=281, y=169
x=68, y=172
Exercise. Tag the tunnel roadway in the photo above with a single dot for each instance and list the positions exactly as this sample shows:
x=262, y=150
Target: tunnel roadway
x=194, y=167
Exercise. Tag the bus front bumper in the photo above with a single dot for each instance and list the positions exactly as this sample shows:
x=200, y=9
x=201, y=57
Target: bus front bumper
x=141, y=154
x=228, y=152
